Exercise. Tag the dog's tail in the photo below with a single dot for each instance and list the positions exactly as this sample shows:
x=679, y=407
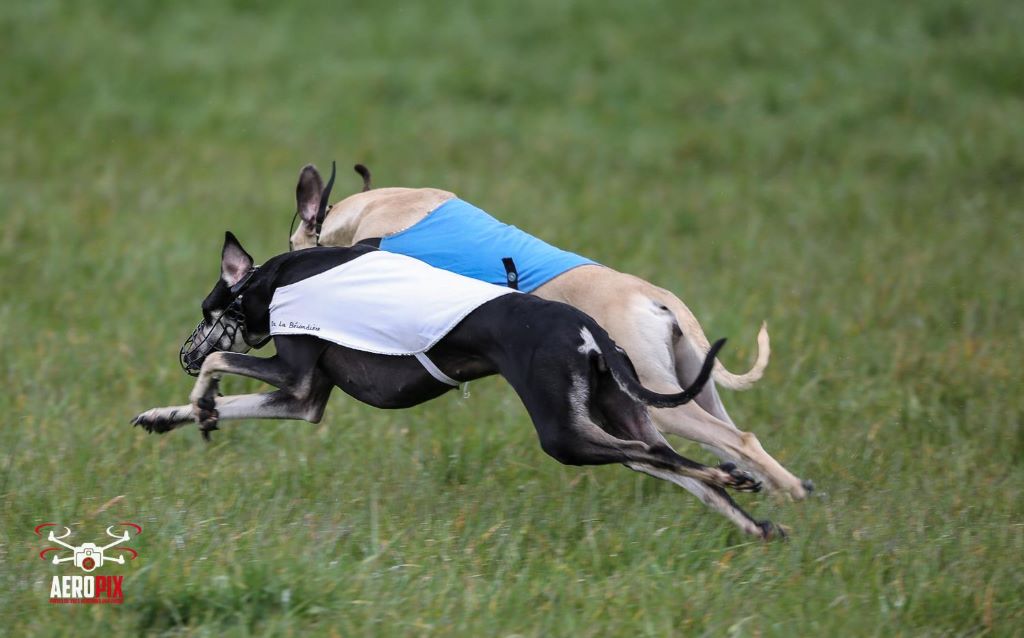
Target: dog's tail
x=365, y=174
x=743, y=381
x=625, y=374
x=693, y=334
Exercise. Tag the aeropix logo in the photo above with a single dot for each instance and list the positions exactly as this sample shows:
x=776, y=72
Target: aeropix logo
x=88, y=557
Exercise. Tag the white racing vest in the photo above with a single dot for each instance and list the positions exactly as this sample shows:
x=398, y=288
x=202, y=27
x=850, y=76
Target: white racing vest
x=382, y=303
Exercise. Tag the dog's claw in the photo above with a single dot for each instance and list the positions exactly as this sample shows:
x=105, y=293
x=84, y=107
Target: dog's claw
x=206, y=428
x=740, y=480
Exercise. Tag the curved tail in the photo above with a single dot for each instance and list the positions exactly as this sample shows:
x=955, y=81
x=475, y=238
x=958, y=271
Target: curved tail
x=743, y=381
x=694, y=335
x=365, y=174
x=624, y=374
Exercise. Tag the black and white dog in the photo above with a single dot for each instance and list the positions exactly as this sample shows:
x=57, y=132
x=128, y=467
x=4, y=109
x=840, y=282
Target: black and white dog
x=580, y=390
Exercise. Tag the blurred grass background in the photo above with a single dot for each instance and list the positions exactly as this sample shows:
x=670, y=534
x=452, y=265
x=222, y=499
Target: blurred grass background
x=851, y=172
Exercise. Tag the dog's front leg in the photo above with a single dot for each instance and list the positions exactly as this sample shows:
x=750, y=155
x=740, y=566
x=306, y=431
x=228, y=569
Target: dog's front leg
x=273, y=370
x=280, y=404
x=302, y=395
x=292, y=368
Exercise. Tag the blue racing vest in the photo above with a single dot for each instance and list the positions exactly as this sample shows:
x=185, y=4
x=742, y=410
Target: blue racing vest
x=463, y=239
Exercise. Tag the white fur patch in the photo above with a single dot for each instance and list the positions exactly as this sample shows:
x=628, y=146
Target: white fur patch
x=579, y=398
x=589, y=345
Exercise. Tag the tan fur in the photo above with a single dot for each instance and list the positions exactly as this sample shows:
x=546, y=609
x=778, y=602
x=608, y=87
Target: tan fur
x=639, y=316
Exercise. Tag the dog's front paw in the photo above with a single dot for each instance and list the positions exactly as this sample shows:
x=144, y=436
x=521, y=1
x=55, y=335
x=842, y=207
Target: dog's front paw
x=206, y=416
x=738, y=479
x=161, y=420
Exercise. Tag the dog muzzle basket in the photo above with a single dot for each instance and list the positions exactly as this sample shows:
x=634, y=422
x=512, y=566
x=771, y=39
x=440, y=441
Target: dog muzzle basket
x=198, y=346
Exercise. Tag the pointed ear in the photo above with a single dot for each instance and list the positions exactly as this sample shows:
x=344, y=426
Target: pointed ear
x=308, y=192
x=234, y=261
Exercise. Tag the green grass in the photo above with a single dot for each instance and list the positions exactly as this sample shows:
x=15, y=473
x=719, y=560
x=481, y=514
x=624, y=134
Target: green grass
x=853, y=173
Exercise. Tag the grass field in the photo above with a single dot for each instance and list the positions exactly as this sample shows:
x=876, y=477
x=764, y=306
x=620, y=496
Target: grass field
x=851, y=172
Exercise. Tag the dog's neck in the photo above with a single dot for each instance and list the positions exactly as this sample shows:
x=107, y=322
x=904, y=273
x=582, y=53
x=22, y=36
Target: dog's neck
x=342, y=224
x=378, y=213
x=346, y=218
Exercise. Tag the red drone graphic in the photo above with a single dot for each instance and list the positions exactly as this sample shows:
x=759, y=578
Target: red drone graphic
x=89, y=556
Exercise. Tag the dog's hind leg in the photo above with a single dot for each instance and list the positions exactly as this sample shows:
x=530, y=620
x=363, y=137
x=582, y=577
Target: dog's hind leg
x=568, y=432
x=582, y=442
x=702, y=481
x=729, y=444
x=616, y=413
x=716, y=498
x=718, y=425
x=576, y=439
x=647, y=330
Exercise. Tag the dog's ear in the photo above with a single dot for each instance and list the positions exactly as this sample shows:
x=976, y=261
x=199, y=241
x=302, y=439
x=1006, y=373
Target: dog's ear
x=234, y=261
x=308, y=192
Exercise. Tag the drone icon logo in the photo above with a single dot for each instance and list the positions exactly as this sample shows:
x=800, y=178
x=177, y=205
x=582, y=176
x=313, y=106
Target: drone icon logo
x=89, y=556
